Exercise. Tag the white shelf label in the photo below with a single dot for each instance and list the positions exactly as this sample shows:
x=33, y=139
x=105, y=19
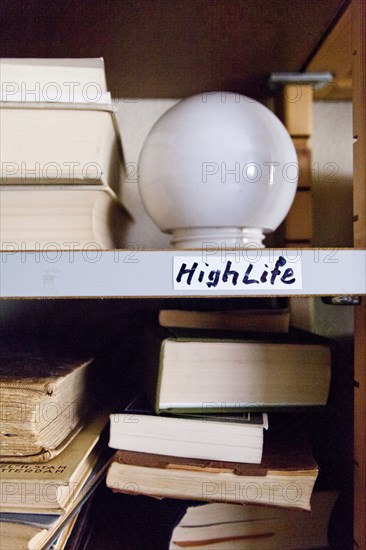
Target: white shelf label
x=257, y=270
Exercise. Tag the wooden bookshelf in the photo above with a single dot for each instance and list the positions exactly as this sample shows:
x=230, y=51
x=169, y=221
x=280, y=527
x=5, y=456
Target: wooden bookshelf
x=358, y=22
x=160, y=49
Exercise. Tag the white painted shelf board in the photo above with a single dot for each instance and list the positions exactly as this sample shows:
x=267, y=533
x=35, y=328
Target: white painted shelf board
x=149, y=273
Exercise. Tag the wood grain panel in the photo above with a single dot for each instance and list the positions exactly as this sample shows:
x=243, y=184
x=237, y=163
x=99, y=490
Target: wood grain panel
x=172, y=48
x=335, y=55
x=359, y=128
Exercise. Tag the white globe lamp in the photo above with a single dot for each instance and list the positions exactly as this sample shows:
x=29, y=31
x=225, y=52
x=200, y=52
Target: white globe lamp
x=218, y=168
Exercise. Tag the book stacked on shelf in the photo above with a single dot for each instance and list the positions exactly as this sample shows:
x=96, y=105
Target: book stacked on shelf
x=53, y=441
x=260, y=320
x=61, y=156
x=218, y=526
x=211, y=380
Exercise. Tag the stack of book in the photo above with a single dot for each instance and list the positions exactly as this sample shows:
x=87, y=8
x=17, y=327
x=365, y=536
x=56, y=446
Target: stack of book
x=61, y=157
x=211, y=380
x=53, y=442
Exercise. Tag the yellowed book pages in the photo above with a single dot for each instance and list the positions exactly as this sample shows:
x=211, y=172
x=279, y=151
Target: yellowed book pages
x=43, y=401
x=223, y=526
x=59, y=146
x=49, y=219
x=285, y=477
x=227, y=376
x=50, y=488
x=15, y=536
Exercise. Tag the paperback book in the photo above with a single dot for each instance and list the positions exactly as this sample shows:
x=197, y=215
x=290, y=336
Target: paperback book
x=285, y=477
x=220, y=526
x=232, y=437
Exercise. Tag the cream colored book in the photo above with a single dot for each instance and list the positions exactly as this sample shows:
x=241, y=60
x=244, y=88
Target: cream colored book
x=15, y=536
x=39, y=531
x=185, y=373
x=56, y=146
x=71, y=80
x=52, y=487
x=46, y=219
x=234, y=438
x=20, y=533
x=285, y=477
x=222, y=526
x=44, y=401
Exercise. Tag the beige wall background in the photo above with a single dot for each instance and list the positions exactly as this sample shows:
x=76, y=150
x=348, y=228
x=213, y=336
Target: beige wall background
x=333, y=165
x=333, y=200
x=135, y=119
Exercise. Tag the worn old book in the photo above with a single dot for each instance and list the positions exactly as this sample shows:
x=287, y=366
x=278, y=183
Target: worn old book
x=52, y=219
x=59, y=145
x=232, y=437
x=50, y=488
x=36, y=531
x=188, y=374
x=248, y=320
x=28, y=531
x=224, y=526
x=45, y=400
x=54, y=80
x=285, y=477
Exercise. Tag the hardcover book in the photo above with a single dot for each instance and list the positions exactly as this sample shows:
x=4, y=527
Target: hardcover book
x=231, y=374
x=45, y=400
x=35, y=531
x=63, y=145
x=60, y=218
x=50, y=488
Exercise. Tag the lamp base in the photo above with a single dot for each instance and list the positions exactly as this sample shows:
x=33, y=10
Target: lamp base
x=220, y=237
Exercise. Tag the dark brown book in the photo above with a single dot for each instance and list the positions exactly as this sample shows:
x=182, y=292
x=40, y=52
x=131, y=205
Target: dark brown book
x=248, y=320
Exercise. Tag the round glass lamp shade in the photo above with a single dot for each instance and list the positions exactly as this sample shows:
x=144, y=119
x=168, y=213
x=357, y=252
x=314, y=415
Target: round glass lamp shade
x=218, y=168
